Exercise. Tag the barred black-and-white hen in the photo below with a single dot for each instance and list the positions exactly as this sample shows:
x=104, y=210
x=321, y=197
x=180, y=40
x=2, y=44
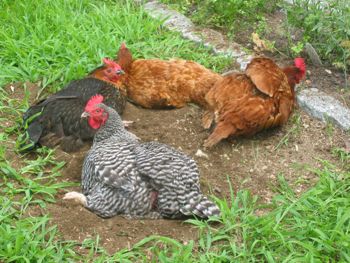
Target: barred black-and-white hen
x=138, y=180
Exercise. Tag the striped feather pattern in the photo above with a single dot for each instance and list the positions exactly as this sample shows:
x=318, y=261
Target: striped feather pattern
x=151, y=180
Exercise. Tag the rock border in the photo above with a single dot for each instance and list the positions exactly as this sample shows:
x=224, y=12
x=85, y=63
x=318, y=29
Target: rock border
x=316, y=103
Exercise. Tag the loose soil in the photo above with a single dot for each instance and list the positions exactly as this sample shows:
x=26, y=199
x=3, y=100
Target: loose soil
x=245, y=163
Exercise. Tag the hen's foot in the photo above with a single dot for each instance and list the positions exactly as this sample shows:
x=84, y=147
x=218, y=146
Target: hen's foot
x=127, y=123
x=77, y=197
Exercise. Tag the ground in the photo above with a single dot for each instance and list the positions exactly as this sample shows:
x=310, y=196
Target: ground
x=247, y=163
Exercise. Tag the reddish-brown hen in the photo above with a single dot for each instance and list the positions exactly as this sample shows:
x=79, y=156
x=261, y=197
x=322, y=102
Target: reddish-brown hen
x=244, y=104
x=155, y=83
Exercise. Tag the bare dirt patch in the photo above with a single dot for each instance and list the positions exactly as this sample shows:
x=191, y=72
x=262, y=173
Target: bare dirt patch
x=248, y=163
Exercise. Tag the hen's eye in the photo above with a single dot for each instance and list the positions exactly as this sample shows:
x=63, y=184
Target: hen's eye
x=109, y=70
x=98, y=110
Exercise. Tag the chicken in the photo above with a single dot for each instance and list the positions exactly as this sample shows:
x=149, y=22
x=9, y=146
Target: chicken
x=56, y=119
x=122, y=176
x=155, y=83
x=246, y=103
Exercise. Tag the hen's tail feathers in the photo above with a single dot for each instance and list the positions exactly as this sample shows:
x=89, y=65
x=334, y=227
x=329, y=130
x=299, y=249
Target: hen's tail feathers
x=32, y=125
x=39, y=106
x=33, y=129
x=201, y=207
x=30, y=138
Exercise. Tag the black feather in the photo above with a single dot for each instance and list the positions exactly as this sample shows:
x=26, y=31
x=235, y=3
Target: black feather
x=60, y=113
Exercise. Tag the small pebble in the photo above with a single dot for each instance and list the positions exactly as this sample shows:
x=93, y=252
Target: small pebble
x=201, y=154
x=217, y=189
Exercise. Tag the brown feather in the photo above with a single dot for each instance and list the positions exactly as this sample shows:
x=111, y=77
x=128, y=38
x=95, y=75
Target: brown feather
x=245, y=104
x=265, y=75
x=155, y=83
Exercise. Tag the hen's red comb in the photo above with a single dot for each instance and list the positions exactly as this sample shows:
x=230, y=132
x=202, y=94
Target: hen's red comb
x=300, y=64
x=111, y=63
x=93, y=101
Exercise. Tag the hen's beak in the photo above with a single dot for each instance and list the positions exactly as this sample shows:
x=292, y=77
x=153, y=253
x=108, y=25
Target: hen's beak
x=85, y=115
x=120, y=72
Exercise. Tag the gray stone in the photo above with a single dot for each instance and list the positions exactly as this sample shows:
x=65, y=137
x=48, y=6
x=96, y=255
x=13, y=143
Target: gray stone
x=312, y=53
x=324, y=107
x=172, y=19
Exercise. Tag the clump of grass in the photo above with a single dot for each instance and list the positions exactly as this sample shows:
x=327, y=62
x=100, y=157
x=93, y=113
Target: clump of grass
x=325, y=25
x=64, y=40
x=311, y=228
x=29, y=239
x=51, y=43
x=229, y=15
x=343, y=155
x=292, y=132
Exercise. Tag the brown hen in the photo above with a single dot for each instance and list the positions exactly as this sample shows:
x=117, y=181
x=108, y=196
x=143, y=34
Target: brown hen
x=246, y=103
x=155, y=83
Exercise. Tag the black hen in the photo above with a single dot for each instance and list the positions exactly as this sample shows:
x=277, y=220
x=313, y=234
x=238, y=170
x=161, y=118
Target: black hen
x=56, y=120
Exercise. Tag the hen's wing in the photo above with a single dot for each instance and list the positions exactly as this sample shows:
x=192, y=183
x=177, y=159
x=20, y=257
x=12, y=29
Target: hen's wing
x=110, y=165
x=164, y=165
x=111, y=183
x=175, y=176
x=266, y=75
x=60, y=113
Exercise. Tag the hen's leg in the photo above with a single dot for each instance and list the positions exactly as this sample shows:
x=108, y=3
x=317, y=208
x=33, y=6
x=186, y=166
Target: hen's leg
x=221, y=131
x=207, y=119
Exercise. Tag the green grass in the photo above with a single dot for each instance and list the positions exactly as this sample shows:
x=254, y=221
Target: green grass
x=325, y=26
x=52, y=42
x=311, y=228
x=63, y=40
x=229, y=15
